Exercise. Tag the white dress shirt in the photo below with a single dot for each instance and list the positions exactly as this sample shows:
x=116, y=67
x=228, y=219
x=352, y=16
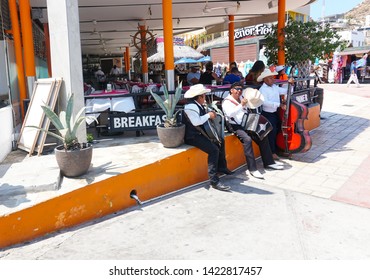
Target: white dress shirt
x=233, y=110
x=272, y=97
x=192, y=111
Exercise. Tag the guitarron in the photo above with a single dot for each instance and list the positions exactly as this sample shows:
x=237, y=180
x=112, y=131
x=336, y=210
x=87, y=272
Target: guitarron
x=293, y=138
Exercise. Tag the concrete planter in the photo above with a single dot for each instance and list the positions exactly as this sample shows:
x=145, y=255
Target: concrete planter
x=74, y=163
x=171, y=137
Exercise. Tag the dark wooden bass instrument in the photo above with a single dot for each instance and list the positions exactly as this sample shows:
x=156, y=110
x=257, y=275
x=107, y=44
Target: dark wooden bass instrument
x=293, y=138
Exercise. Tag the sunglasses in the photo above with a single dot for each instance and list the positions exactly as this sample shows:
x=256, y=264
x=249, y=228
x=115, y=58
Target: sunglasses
x=238, y=88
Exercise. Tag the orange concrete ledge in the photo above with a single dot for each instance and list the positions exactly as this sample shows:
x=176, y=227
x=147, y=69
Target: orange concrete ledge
x=108, y=196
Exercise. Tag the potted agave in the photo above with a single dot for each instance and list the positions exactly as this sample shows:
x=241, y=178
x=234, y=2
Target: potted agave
x=171, y=133
x=73, y=157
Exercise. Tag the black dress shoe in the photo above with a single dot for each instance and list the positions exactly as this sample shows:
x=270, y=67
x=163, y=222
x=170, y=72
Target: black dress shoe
x=225, y=171
x=219, y=186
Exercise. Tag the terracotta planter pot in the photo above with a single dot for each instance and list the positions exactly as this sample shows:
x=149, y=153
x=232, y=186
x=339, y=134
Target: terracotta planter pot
x=74, y=163
x=171, y=137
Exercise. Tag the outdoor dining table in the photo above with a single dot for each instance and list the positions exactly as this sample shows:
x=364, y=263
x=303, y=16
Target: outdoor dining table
x=139, y=84
x=99, y=101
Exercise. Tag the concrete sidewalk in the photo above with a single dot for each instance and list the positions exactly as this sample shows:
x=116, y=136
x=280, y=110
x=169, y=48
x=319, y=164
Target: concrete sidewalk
x=316, y=208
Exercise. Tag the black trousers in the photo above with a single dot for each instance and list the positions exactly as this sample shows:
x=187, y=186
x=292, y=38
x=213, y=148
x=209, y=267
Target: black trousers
x=216, y=155
x=274, y=119
x=263, y=145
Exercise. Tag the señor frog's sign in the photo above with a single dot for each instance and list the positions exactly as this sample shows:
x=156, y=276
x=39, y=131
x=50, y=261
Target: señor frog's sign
x=252, y=31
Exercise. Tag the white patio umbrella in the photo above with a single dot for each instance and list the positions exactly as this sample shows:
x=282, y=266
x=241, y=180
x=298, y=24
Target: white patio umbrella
x=178, y=53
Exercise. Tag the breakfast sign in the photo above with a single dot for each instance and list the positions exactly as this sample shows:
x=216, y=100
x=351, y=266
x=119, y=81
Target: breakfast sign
x=119, y=121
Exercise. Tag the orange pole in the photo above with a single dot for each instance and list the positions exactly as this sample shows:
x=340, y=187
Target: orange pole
x=281, y=38
x=169, y=59
x=144, y=54
x=47, y=47
x=128, y=67
x=168, y=35
x=125, y=60
x=231, y=39
x=27, y=37
x=18, y=53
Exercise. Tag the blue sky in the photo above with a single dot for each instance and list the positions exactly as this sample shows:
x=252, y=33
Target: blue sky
x=332, y=7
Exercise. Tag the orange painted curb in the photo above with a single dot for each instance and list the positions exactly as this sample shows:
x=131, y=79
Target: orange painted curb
x=113, y=194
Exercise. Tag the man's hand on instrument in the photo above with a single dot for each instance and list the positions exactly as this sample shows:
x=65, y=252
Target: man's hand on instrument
x=244, y=102
x=291, y=81
x=212, y=115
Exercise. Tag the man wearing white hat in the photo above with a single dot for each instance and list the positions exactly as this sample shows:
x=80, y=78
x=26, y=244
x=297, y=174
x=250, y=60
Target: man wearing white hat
x=195, y=118
x=234, y=107
x=271, y=103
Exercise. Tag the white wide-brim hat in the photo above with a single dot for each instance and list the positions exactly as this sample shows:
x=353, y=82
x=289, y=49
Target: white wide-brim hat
x=196, y=90
x=254, y=98
x=266, y=73
x=279, y=68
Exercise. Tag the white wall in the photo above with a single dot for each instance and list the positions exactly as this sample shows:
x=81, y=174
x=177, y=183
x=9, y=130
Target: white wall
x=4, y=89
x=6, y=118
x=357, y=38
x=6, y=128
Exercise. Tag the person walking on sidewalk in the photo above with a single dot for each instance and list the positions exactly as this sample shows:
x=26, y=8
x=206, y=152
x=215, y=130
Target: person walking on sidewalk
x=353, y=76
x=195, y=118
x=234, y=107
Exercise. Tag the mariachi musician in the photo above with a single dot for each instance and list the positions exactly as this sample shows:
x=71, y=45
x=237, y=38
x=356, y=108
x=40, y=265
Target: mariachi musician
x=234, y=106
x=272, y=101
x=196, y=119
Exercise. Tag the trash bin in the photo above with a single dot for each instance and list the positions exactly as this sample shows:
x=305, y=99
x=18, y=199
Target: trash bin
x=319, y=96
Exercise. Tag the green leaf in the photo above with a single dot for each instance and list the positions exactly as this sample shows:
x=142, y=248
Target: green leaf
x=48, y=132
x=159, y=101
x=69, y=111
x=63, y=119
x=169, y=103
x=53, y=117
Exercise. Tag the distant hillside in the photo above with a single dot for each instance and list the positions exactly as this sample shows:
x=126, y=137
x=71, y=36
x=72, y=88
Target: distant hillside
x=358, y=14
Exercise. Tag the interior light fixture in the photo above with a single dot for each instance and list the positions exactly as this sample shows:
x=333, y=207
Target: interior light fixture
x=272, y=4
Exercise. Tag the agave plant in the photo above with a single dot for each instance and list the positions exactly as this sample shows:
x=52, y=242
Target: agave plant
x=65, y=124
x=168, y=104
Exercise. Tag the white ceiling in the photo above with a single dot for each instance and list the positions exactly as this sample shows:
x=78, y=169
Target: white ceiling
x=116, y=21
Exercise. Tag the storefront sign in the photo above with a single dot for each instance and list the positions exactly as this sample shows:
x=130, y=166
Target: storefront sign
x=251, y=31
x=135, y=121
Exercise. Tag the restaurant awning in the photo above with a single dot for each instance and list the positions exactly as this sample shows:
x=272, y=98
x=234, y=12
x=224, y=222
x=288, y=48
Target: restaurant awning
x=355, y=50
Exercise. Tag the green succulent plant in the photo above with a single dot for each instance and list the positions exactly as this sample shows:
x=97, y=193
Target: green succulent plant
x=66, y=124
x=168, y=104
